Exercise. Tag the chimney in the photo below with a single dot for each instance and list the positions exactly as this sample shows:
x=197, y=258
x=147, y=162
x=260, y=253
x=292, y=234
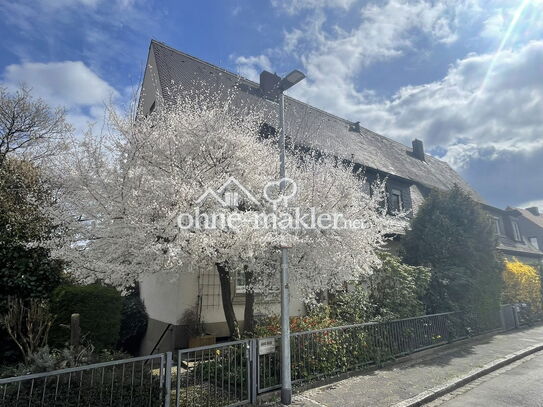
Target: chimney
x=355, y=127
x=418, y=150
x=534, y=210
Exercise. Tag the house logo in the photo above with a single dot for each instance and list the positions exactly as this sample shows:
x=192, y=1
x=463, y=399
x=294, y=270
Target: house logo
x=228, y=195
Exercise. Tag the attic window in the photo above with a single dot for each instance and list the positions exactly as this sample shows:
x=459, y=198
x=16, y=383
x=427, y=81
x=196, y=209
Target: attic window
x=498, y=226
x=516, y=231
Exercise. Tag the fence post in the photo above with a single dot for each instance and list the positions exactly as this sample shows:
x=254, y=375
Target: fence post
x=502, y=317
x=253, y=358
x=515, y=314
x=167, y=384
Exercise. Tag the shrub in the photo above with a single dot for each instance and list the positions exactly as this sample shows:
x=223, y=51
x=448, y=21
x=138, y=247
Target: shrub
x=522, y=284
x=393, y=291
x=100, y=314
x=454, y=237
x=318, y=319
x=133, y=323
x=396, y=288
x=27, y=323
x=352, y=306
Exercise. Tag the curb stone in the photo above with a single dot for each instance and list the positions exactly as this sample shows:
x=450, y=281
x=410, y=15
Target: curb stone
x=438, y=391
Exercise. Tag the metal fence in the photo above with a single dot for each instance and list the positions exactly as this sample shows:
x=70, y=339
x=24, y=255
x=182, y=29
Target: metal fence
x=215, y=375
x=234, y=373
x=130, y=382
x=346, y=348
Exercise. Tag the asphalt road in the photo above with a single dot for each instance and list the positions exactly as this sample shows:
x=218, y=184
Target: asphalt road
x=517, y=385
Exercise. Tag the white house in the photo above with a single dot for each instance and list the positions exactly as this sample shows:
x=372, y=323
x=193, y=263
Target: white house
x=411, y=174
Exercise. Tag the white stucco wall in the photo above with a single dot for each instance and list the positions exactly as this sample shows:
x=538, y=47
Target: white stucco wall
x=168, y=295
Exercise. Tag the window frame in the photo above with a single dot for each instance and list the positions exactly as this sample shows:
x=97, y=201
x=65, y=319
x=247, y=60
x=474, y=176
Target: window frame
x=516, y=230
x=396, y=192
x=498, y=225
x=240, y=288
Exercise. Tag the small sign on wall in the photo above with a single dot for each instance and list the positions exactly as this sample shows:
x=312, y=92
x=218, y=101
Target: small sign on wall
x=266, y=346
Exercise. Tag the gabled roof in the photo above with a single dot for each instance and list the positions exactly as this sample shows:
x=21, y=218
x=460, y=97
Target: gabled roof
x=537, y=220
x=309, y=126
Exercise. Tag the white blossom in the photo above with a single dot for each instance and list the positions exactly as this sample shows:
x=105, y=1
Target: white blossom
x=125, y=189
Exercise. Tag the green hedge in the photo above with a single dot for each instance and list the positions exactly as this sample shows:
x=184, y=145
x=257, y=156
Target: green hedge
x=133, y=323
x=100, y=314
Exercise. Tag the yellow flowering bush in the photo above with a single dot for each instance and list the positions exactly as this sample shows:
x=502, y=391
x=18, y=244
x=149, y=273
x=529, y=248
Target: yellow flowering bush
x=522, y=284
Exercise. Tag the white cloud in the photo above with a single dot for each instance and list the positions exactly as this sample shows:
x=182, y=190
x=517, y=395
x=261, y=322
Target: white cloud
x=70, y=84
x=484, y=115
x=334, y=58
x=65, y=83
x=491, y=134
x=505, y=114
x=296, y=6
x=531, y=204
x=250, y=67
x=494, y=26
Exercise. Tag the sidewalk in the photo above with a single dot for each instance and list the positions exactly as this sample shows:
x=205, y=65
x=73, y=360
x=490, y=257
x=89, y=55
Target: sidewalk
x=392, y=384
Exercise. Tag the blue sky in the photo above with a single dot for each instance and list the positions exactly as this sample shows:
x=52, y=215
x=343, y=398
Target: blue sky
x=465, y=76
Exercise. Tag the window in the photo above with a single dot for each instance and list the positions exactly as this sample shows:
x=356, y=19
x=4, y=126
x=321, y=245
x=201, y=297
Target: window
x=241, y=284
x=395, y=203
x=498, y=226
x=152, y=108
x=533, y=242
x=516, y=230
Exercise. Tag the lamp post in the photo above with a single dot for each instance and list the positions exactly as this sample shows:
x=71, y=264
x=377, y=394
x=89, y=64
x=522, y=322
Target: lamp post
x=273, y=87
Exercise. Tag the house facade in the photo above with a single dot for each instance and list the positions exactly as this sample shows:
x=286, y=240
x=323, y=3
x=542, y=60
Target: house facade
x=530, y=226
x=411, y=175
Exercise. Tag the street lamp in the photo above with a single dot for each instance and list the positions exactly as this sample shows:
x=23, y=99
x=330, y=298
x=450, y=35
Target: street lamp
x=273, y=87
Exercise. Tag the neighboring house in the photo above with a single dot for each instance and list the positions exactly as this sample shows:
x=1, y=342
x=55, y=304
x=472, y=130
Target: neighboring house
x=516, y=234
x=411, y=175
x=530, y=222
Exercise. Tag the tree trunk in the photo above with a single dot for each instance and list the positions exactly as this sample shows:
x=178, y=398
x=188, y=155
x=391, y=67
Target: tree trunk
x=249, y=314
x=226, y=294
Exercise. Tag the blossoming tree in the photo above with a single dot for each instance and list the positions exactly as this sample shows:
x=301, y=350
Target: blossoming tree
x=135, y=202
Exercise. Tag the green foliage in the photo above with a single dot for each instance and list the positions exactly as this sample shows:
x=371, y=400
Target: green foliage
x=453, y=236
x=133, y=323
x=28, y=272
x=26, y=268
x=317, y=318
x=352, y=306
x=396, y=288
x=392, y=292
x=100, y=312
